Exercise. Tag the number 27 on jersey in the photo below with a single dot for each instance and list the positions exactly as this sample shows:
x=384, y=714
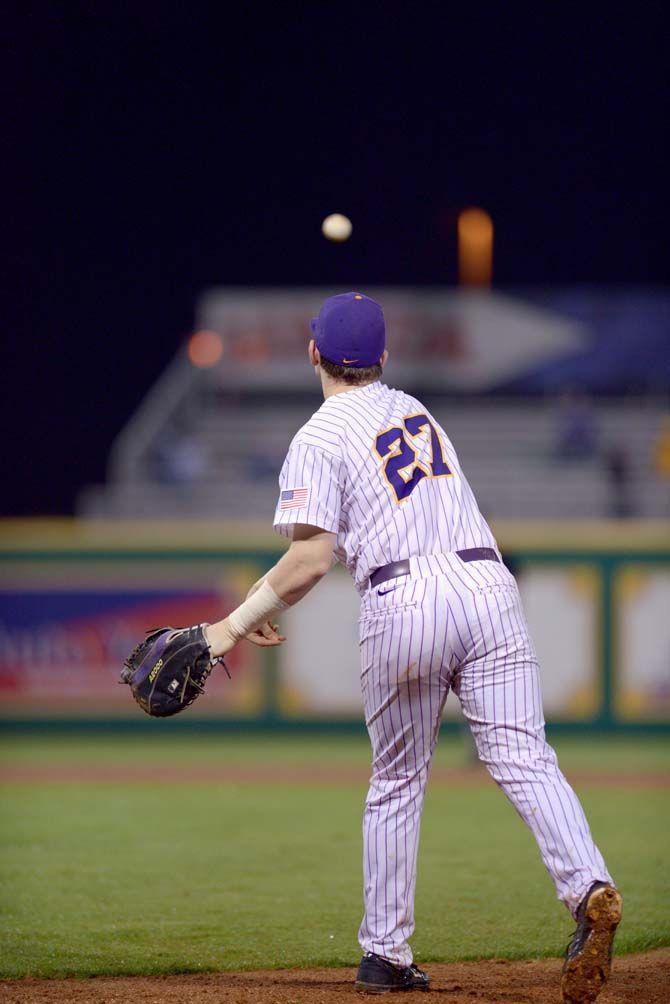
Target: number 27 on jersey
x=399, y=450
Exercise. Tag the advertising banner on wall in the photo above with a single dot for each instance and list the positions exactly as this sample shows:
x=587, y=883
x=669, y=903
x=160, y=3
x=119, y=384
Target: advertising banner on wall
x=642, y=669
x=72, y=609
x=562, y=605
x=66, y=629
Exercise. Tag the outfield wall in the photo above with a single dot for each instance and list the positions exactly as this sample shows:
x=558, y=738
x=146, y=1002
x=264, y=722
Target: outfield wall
x=76, y=596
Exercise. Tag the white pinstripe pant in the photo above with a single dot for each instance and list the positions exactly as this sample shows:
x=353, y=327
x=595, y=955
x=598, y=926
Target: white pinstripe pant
x=461, y=626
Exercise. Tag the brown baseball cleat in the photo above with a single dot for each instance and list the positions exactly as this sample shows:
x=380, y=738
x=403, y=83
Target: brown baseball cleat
x=588, y=959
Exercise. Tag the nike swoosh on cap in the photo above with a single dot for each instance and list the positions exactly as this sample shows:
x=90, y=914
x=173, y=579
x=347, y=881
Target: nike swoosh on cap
x=349, y=361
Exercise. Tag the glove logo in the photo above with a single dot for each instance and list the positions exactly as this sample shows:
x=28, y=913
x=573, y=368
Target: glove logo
x=154, y=672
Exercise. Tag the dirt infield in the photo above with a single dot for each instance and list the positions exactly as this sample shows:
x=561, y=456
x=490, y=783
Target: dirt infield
x=273, y=773
x=637, y=979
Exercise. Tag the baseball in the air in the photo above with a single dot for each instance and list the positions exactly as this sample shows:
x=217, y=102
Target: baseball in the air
x=336, y=227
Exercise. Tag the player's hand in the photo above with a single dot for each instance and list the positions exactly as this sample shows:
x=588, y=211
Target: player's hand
x=266, y=636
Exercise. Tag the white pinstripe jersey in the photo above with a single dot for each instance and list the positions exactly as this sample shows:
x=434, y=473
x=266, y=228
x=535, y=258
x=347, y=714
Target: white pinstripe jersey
x=374, y=467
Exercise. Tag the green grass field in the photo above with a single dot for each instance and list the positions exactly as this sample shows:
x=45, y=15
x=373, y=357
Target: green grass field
x=115, y=878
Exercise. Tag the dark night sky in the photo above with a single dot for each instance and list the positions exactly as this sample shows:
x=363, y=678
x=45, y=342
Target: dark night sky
x=155, y=149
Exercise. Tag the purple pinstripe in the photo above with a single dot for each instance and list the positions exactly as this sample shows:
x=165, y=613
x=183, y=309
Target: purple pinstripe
x=448, y=625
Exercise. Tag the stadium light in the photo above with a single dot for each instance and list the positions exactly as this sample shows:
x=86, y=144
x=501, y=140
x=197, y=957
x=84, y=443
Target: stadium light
x=475, y=247
x=205, y=348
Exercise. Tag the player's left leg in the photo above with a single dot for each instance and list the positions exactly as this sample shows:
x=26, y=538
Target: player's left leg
x=499, y=689
x=498, y=686
x=404, y=688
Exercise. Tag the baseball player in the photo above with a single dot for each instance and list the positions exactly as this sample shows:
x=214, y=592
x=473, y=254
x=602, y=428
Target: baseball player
x=373, y=480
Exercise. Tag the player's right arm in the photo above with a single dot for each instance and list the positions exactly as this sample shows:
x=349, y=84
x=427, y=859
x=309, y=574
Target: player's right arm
x=305, y=563
x=308, y=511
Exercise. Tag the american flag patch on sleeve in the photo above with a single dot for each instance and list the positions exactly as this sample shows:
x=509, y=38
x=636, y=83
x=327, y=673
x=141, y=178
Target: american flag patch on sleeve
x=293, y=498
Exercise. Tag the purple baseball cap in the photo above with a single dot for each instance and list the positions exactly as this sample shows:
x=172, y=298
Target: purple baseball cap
x=350, y=330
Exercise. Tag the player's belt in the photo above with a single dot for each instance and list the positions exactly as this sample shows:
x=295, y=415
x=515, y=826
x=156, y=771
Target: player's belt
x=397, y=568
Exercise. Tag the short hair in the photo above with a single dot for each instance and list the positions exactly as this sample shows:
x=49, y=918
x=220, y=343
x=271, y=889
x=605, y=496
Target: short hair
x=354, y=376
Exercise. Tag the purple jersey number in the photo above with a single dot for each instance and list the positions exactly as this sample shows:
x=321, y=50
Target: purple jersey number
x=401, y=468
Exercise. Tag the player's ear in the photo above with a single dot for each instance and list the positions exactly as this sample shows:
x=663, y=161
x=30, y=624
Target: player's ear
x=313, y=353
x=382, y=361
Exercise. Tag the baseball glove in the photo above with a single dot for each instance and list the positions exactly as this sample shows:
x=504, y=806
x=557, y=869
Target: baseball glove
x=169, y=669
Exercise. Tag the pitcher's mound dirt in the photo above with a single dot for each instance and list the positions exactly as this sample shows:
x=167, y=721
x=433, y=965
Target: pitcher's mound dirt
x=636, y=979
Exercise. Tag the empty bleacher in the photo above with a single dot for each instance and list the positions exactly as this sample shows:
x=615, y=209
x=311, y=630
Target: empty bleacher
x=222, y=457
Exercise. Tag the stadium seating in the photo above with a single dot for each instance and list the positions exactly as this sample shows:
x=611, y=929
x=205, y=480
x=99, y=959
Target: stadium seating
x=506, y=447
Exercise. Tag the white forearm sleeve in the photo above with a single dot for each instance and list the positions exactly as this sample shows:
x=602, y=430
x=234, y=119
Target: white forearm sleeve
x=256, y=610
